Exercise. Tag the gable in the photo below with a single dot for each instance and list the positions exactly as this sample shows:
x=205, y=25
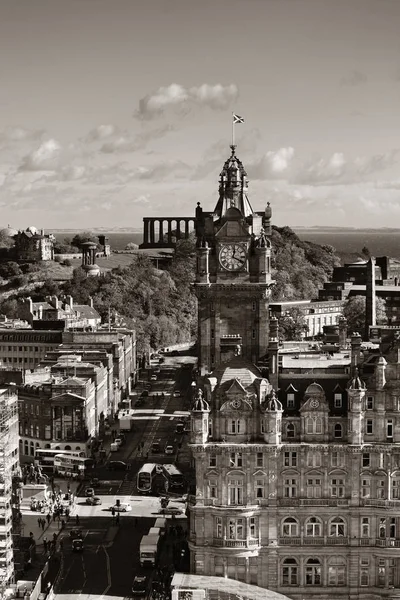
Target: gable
x=233, y=229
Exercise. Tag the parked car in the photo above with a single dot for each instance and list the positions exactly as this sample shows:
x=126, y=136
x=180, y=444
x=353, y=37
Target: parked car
x=171, y=510
x=117, y=465
x=89, y=491
x=122, y=507
x=119, y=441
x=77, y=545
x=153, y=378
x=144, y=394
x=140, y=585
x=180, y=428
x=93, y=500
x=169, y=449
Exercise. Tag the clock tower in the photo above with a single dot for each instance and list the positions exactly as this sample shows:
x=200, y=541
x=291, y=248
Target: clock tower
x=233, y=275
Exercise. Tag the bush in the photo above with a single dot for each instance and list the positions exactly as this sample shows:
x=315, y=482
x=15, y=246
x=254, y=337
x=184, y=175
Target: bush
x=9, y=269
x=67, y=262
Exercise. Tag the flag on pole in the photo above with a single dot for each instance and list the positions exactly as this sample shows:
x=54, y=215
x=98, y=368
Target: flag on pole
x=237, y=119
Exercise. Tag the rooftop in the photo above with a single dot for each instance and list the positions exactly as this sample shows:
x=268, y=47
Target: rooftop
x=223, y=587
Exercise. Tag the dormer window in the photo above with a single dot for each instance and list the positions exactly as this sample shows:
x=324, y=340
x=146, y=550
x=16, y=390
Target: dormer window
x=290, y=400
x=337, y=400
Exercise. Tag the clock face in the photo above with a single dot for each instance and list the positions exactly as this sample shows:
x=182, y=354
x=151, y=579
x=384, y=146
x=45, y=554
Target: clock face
x=232, y=257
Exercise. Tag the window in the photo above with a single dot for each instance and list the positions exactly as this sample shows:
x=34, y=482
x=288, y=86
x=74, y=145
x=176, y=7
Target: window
x=314, y=426
x=381, y=572
x=290, y=572
x=313, y=572
x=236, y=529
x=253, y=306
x=314, y=488
x=235, y=491
x=370, y=403
x=212, y=488
x=253, y=527
x=313, y=527
x=290, y=527
x=314, y=459
x=337, y=400
x=260, y=488
x=290, y=430
x=212, y=334
x=369, y=429
x=260, y=459
x=236, y=459
x=290, y=401
x=365, y=527
x=338, y=432
x=290, y=488
x=381, y=488
x=253, y=334
x=337, y=527
x=218, y=527
x=235, y=426
x=337, y=571
x=290, y=459
x=212, y=460
x=365, y=488
x=364, y=571
x=389, y=428
x=337, y=488
x=366, y=459
x=396, y=489
x=382, y=527
x=392, y=527
x=336, y=459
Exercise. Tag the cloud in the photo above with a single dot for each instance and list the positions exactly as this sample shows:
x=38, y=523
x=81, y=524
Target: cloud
x=131, y=143
x=163, y=170
x=338, y=170
x=20, y=134
x=272, y=165
x=101, y=132
x=45, y=158
x=216, y=97
x=354, y=78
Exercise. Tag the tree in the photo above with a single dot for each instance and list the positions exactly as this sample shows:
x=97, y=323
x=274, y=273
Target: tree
x=365, y=252
x=355, y=311
x=10, y=269
x=292, y=324
x=84, y=236
x=131, y=246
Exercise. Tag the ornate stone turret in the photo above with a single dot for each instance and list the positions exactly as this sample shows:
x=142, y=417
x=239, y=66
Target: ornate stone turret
x=355, y=350
x=233, y=186
x=342, y=332
x=356, y=390
x=273, y=420
x=203, y=258
x=273, y=347
x=200, y=419
x=380, y=373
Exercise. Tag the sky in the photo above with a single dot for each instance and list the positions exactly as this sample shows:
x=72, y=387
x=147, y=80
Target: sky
x=112, y=110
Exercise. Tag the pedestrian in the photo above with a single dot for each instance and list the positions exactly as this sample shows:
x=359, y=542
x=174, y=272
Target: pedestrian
x=39, y=522
x=48, y=517
x=45, y=543
x=117, y=520
x=77, y=519
x=61, y=544
x=113, y=511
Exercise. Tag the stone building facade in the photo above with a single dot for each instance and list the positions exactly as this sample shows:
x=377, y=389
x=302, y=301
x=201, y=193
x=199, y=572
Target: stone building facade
x=297, y=473
x=32, y=245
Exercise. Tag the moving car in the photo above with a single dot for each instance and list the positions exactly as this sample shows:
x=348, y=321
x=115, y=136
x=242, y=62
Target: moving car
x=140, y=585
x=177, y=394
x=123, y=507
x=171, y=510
x=180, y=428
x=93, y=500
x=117, y=465
x=89, y=492
x=75, y=533
x=156, y=446
x=119, y=441
x=153, y=378
x=77, y=545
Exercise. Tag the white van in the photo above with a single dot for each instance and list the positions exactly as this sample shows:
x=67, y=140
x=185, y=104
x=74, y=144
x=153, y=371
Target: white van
x=114, y=447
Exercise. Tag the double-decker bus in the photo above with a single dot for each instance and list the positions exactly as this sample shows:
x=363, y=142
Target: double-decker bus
x=173, y=475
x=144, y=482
x=45, y=457
x=72, y=466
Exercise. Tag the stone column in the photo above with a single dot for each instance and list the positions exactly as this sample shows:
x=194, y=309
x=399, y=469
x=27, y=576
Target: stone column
x=169, y=231
x=145, y=231
x=161, y=230
x=178, y=229
x=152, y=231
x=186, y=228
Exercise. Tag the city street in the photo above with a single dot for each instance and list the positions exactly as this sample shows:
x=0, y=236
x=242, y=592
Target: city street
x=110, y=558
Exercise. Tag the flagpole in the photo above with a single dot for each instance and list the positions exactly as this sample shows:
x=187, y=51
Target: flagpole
x=233, y=131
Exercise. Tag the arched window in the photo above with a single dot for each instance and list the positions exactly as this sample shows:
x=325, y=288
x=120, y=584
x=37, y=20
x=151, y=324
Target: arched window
x=310, y=426
x=290, y=430
x=67, y=447
x=57, y=448
x=338, y=430
x=78, y=448
x=313, y=572
x=290, y=527
x=290, y=571
x=47, y=446
x=313, y=527
x=26, y=447
x=337, y=571
x=337, y=527
x=318, y=425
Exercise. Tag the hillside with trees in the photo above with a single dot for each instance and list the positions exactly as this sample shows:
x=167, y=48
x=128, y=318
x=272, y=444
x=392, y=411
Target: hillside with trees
x=161, y=304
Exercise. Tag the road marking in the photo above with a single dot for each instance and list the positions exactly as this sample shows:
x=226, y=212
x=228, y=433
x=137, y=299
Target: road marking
x=108, y=573
x=84, y=572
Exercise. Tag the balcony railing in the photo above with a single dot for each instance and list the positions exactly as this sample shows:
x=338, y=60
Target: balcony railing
x=313, y=501
x=380, y=503
x=250, y=543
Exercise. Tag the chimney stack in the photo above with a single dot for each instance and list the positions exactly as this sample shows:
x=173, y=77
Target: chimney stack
x=370, y=299
x=342, y=332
